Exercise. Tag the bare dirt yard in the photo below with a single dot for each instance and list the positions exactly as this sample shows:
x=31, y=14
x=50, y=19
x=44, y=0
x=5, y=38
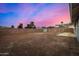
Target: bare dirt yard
x=35, y=42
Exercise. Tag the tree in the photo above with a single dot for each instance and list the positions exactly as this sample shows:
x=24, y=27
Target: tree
x=20, y=25
x=62, y=25
x=61, y=22
x=31, y=25
x=12, y=26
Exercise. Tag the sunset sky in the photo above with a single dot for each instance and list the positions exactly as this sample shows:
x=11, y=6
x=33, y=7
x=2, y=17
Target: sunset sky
x=43, y=14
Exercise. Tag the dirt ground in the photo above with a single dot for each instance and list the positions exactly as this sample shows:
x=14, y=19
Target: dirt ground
x=23, y=42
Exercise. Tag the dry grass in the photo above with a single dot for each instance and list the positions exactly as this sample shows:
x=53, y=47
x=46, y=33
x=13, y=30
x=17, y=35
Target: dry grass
x=35, y=42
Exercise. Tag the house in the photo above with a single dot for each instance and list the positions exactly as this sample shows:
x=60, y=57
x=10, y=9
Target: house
x=74, y=8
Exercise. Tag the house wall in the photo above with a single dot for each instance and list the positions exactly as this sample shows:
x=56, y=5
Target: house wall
x=75, y=18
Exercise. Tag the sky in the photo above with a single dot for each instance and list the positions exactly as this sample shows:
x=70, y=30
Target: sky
x=43, y=14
